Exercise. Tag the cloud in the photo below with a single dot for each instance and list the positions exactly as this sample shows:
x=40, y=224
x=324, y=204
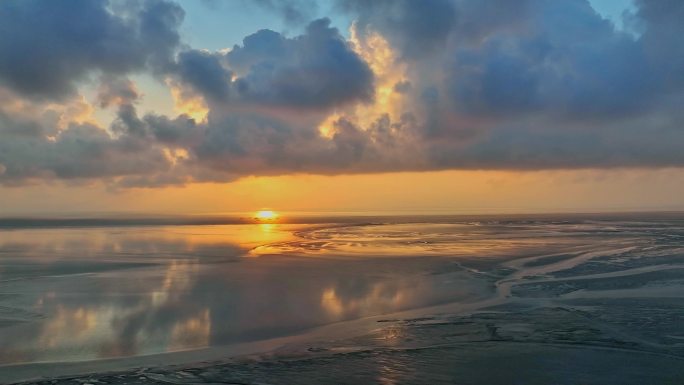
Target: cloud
x=79, y=152
x=205, y=73
x=415, y=27
x=49, y=46
x=316, y=70
x=566, y=60
x=39, y=142
x=661, y=26
x=116, y=91
x=439, y=84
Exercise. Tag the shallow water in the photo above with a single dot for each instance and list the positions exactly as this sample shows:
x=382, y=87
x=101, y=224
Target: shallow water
x=79, y=294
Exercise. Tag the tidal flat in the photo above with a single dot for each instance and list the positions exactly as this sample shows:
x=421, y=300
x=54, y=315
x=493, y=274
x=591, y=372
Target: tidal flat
x=574, y=299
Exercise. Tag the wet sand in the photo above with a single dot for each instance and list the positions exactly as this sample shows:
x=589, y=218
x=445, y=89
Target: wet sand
x=529, y=301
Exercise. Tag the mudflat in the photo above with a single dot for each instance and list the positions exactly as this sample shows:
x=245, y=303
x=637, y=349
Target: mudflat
x=532, y=300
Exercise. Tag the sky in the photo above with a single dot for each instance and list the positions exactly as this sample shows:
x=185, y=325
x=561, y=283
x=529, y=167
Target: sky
x=440, y=106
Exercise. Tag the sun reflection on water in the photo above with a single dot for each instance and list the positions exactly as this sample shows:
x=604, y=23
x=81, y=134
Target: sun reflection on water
x=97, y=293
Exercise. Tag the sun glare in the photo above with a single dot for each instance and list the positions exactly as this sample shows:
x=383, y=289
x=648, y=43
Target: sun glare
x=266, y=215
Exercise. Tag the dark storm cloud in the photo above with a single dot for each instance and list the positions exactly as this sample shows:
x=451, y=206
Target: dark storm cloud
x=47, y=46
x=662, y=29
x=542, y=56
x=256, y=144
x=315, y=70
x=565, y=60
x=79, y=152
x=415, y=27
x=649, y=140
x=204, y=72
x=263, y=46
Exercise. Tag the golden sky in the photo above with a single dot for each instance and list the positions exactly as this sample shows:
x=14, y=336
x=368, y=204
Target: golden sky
x=429, y=192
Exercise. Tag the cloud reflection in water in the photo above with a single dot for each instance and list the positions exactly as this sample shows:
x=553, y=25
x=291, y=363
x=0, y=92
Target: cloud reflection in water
x=81, y=294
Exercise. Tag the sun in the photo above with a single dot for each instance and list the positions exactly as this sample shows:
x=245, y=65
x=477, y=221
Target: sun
x=266, y=215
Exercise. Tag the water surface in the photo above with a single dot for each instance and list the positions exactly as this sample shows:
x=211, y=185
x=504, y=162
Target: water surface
x=82, y=293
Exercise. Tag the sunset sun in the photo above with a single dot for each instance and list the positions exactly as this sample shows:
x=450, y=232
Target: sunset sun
x=266, y=215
